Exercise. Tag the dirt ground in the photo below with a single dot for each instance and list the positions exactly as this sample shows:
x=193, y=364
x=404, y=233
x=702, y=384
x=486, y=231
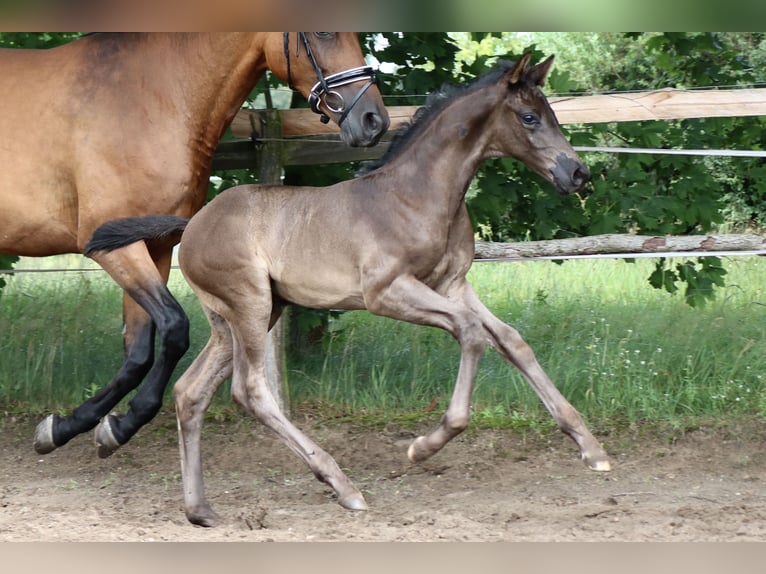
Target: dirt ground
x=704, y=485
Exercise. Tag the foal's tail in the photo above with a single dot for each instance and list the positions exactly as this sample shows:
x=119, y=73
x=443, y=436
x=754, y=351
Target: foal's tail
x=121, y=232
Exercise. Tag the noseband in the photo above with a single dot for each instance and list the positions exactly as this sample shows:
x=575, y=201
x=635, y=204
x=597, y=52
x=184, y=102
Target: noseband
x=325, y=86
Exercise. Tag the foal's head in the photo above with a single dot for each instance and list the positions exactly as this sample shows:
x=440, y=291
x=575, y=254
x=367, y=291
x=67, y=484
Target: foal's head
x=526, y=128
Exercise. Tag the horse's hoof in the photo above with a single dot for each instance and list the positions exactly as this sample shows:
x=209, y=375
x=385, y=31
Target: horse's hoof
x=106, y=443
x=44, y=436
x=353, y=502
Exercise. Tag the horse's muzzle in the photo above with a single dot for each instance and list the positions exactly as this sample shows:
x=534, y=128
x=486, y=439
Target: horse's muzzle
x=366, y=128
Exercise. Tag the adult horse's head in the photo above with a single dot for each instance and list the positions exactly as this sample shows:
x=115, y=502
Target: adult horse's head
x=529, y=130
x=329, y=69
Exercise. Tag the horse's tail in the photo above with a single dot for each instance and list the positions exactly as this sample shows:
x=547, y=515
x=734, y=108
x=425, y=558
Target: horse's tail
x=121, y=232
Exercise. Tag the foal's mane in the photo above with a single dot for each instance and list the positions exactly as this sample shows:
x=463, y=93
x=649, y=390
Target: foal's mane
x=436, y=101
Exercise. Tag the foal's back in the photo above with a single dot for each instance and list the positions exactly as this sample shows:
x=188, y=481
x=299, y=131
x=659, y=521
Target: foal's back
x=308, y=243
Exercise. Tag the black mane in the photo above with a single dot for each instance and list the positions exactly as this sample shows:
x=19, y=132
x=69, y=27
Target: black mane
x=435, y=103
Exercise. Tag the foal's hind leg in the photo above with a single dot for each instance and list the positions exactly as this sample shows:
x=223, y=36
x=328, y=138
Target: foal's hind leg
x=193, y=392
x=251, y=391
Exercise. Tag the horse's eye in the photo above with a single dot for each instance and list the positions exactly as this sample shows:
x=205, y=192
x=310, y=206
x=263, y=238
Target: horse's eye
x=530, y=119
x=324, y=34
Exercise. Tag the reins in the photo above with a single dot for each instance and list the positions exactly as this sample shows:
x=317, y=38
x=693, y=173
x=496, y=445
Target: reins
x=326, y=84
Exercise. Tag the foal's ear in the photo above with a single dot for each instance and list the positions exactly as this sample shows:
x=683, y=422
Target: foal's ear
x=540, y=72
x=515, y=73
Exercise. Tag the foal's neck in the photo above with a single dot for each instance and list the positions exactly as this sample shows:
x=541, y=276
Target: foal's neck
x=444, y=157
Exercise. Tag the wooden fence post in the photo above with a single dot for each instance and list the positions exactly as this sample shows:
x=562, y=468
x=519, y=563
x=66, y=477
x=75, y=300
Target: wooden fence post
x=267, y=125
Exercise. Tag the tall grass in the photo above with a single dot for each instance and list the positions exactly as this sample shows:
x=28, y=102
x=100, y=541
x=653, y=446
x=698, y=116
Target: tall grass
x=617, y=348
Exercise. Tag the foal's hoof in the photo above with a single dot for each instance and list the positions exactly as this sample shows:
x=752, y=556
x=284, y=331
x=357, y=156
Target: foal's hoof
x=44, y=436
x=105, y=441
x=598, y=463
x=417, y=451
x=204, y=516
x=353, y=502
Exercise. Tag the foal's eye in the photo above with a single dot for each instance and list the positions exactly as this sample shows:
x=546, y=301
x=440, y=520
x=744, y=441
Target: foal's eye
x=530, y=119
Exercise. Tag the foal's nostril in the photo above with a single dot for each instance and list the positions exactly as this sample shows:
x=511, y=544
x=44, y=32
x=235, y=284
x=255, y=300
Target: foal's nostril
x=581, y=176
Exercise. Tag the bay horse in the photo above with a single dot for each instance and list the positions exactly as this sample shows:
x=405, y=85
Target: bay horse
x=121, y=125
x=396, y=241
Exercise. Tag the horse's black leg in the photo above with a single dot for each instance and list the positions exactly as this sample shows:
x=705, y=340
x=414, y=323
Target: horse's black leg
x=140, y=276
x=57, y=430
x=173, y=327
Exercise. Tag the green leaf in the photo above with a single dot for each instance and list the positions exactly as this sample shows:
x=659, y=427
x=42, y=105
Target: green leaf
x=663, y=278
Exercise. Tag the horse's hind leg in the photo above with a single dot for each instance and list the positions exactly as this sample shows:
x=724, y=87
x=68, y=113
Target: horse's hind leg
x=56, y=430
x=135, y=271
x=147, y=286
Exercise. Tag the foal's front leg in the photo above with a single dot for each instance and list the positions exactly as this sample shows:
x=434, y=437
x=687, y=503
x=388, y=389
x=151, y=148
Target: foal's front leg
x=509, y=343
x=408, y=299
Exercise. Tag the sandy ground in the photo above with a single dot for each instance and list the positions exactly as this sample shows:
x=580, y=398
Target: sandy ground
x=704, y=485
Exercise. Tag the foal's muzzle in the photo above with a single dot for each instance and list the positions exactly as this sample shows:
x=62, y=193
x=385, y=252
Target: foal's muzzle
x=325, y=89
x=569, y=175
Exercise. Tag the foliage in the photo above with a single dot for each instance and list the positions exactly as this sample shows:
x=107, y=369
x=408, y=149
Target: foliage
x=700, y=278
x=6, y=262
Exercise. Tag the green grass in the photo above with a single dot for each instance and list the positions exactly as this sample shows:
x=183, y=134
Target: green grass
x=618, y=349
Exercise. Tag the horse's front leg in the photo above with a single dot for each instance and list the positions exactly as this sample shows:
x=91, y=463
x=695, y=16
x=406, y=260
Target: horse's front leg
x=509, y=343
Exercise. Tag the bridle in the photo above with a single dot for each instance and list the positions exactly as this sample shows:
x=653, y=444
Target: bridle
x=326, y=84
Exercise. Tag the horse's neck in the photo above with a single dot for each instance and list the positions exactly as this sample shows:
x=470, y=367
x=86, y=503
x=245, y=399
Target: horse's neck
x=220, y=71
